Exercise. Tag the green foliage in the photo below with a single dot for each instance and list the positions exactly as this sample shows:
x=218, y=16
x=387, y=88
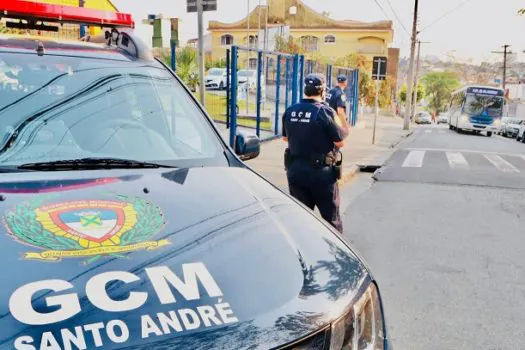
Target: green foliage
x=403, y=93
x=218, y=63
x=353, y=60
x=287, y=45
x=385, y=93
x=439, y=86
x=188, y=66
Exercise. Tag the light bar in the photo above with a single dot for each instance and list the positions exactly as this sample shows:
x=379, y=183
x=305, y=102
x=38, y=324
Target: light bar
x=36, y=11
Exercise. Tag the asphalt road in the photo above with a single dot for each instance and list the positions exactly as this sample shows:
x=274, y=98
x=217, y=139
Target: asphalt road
x=443, y=231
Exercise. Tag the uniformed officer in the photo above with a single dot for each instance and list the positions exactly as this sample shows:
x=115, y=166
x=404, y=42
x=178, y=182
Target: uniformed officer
x=312, y=162
x=336, y=96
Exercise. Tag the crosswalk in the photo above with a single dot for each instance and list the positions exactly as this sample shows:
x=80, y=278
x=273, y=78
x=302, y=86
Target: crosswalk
x=462, y=160
x=433, y=131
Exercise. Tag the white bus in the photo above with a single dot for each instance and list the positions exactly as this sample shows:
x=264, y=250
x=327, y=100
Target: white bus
x=477, y=109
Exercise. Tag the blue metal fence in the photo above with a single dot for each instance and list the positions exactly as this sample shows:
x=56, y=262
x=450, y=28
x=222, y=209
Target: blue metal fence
x=278, y=84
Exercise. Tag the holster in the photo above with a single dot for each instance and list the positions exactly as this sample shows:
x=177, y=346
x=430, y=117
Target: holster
x=338, y=165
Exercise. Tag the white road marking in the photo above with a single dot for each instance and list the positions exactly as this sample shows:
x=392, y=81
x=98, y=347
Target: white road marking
x=462, y=151
x=428, y=131
x=501, y=163
x=456, y=160
x=522, y=157
x=414, y=159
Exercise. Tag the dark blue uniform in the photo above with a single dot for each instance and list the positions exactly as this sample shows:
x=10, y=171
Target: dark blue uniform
x=312, y=131
x=336, y=98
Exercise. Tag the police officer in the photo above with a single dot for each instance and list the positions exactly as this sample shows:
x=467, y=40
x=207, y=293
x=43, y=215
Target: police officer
x=312, y=162
x=336, y=96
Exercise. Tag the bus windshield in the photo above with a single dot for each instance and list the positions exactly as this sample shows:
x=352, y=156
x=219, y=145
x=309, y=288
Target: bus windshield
x=479, y=104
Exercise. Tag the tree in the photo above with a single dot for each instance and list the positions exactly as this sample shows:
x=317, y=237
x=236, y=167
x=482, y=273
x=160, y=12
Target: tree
x=439, y=86
x=403, y=93
x=353, y=60
x=287, y=45
x=187, y=67
x=385, y=93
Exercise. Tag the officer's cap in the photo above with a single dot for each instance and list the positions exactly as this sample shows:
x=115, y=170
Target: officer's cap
x=342, y=78
x=316, y=80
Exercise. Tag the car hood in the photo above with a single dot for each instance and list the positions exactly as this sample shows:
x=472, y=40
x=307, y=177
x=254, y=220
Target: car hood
x=189, y=258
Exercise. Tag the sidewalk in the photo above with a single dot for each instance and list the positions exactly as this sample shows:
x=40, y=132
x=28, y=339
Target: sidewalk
x=358, y=150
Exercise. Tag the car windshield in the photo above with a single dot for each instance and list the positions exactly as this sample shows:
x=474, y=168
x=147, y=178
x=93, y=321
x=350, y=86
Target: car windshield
x=246, y=73
x=56, y=108
x=216, y=71
x=480, y=104
x=514, y=121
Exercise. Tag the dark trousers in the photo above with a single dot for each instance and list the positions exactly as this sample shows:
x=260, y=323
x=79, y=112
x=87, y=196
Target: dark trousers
x=316, y=188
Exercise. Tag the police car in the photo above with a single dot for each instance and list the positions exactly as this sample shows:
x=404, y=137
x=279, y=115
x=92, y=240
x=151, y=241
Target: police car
x=127, y=222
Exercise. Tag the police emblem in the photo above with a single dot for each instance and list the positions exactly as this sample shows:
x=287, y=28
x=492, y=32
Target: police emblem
x=91, y=228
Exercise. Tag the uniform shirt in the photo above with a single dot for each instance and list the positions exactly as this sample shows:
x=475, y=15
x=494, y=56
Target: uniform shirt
x=311, y=129
x=336, y=98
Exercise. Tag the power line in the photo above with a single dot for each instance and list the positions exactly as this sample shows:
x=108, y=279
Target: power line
x=382, y=9
x=397, y=17
x=446, y=14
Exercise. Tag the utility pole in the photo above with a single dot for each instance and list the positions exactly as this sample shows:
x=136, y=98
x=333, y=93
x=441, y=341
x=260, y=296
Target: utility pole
x=416, y=77
x=200, y=11
x=505, y=53
x=406, y=124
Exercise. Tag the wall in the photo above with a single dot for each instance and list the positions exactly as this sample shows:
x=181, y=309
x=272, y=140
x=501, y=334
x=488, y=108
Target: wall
x=346, y=42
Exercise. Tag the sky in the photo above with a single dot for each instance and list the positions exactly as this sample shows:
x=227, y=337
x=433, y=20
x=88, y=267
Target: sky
x=472, y=31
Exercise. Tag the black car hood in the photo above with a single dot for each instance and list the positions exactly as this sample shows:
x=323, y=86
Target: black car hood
x=264, y=270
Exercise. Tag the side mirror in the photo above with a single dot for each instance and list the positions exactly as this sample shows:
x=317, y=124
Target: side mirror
x=247, y=146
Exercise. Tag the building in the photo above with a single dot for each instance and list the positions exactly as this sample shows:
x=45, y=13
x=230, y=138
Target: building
x=67, y=31
x=313, y=31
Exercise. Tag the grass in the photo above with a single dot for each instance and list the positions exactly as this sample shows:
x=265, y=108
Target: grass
x=216, y=107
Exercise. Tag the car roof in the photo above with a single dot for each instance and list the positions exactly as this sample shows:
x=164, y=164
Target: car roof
x=73, y=48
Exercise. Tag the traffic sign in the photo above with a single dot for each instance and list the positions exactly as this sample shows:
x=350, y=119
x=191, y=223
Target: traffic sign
x=207, y=5
x=379, y=69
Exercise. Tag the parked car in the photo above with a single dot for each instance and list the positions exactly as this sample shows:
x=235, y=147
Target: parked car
x=442, y=118
x=216, y=78
x=249, y=76
x=128, y=222
x=423, y=118
x=510, y=127
x=521, y=133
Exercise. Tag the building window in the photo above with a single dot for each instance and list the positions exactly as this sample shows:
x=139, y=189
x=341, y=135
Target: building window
x=309, y=43
x=329, y=39
x=253, y=63
x=371, y=45
x=254, y=39
x=226, y=40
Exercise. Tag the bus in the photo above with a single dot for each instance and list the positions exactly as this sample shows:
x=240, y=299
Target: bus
x=476, y=109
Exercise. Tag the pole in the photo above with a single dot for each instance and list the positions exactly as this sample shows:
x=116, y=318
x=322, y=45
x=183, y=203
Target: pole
x=201, y=52
x=406, y=124
x=505, y=47
x=416, y=78
x=233, y=97
x=506, y=54
x=376, y=110
x=248, y=55
x=81, y=3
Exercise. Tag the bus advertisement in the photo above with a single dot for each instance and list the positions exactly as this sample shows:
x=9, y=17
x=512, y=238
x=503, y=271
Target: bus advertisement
x=477, y=109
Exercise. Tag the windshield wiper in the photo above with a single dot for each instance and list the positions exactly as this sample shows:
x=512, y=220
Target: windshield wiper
x=92, y=164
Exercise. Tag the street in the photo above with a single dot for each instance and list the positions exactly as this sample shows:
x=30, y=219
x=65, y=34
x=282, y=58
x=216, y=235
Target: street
x=442, y=230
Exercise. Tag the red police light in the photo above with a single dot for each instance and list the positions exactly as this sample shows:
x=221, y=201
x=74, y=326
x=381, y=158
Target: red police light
x=36, y=11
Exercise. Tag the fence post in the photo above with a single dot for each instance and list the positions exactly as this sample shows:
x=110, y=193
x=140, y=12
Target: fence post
x=277, y=94
x=259, y=86
x=287, y=81
x=295, y=75
x=356, y=96
x=174, y=56
x=228, y=93
x=301, y=77
x=233, y=101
